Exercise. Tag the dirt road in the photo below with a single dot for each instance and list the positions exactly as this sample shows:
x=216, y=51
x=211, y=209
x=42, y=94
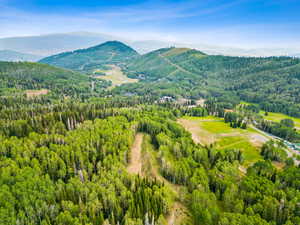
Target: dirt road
x=135, y=165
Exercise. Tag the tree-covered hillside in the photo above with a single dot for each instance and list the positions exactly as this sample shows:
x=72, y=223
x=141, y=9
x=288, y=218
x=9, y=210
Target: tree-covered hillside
x=21, y=76
x=273, y=81
x=111, y=52
x=68, y=160
x=67, y=163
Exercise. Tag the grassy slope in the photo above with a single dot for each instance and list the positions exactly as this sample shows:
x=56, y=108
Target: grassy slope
x=214, y=131
x=277, y=117
x=166, y=62
x=116, y=76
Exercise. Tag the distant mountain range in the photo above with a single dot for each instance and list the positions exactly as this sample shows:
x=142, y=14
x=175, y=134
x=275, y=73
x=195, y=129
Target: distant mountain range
x=13, y=56
x=46, y=45
x=86, y=60
x=51, y=44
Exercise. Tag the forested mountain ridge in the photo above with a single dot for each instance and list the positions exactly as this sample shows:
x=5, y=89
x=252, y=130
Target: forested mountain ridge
x=162, y=63
x=111, y=52
x=16, y=77
x=272, y=81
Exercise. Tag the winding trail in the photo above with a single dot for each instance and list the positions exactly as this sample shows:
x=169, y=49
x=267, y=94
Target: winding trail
x=135, y=165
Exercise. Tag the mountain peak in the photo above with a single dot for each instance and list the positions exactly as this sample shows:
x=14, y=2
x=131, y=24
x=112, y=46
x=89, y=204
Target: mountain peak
x=110, y=52
x=116, y=45
x=115, y=42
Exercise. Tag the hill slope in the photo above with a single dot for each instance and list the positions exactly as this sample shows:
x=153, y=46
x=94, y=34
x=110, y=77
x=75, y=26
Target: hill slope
x=91, y=58
x=190, y=73
x=165, y=63
x=8, y=55
x=20, y=76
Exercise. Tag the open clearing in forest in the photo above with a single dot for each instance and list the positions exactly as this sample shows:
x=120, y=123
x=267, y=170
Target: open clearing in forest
x=135, y=165
x=36, y=93
x=277, y=117
x=115, y=75
x=214, y=131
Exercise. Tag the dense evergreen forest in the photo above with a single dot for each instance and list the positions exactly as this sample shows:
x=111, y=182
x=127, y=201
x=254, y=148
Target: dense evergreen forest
x=17, y=77
x=65, y=163
x=64, y=155
x=272, y=82
x=87, y=60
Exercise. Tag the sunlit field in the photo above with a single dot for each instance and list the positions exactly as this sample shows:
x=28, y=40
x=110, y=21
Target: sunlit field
x=214, y=131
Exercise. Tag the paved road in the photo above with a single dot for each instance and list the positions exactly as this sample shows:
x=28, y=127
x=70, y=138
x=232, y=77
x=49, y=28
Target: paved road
x=290, y=152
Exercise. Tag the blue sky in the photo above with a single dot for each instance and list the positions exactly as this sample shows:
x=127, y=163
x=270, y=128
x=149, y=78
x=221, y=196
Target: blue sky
x=236, y=23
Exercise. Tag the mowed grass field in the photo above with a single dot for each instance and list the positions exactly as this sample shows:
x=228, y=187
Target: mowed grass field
x=277, y=117
x=214, y=131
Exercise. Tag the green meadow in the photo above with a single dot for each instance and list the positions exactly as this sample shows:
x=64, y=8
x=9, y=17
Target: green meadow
x=214, y=131
x=277, y=117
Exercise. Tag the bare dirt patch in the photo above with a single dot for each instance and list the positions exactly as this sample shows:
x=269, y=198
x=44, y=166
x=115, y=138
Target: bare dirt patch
x=199, y=135
x=36, y=93
x=233, y=134
x=243, y=169
x=278, y=165
x=257, y=139
x=135, y=165
x=177, y=213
